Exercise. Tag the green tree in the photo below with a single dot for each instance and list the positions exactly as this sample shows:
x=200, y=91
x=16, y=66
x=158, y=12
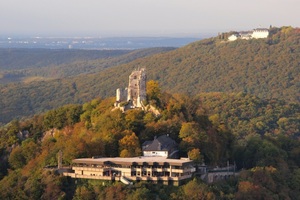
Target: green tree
x=130, y=145
x=195, y=190
x=16, y=158
x=194, y=155
x=192, y=135
x=141, y=194
x=153, y=93
x=11, y=135
x=29, y=149
x=134, y=120
x=83, y=193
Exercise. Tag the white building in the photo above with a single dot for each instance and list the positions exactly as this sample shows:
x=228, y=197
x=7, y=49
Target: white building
x=162, y=146
x=246, y=35
x=260, y=33
x=155, y=169
x=233, y=37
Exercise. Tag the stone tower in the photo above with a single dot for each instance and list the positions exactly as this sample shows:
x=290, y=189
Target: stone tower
x=135, y=93
x=137, y=88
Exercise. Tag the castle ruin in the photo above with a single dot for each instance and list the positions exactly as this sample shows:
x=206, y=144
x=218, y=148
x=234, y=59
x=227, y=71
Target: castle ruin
x=135, y=93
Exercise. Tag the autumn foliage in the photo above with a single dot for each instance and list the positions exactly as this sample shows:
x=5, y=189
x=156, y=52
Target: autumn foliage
x=259, y=136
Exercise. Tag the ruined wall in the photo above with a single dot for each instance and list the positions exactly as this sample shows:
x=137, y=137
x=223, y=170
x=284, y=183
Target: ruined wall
x=137, y=87
x=136, y=91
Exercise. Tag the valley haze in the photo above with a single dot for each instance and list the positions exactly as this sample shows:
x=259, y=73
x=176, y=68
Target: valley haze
x=94, y=42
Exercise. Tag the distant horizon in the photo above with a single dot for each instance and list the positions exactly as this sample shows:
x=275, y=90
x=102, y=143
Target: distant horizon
x=94, y=42
x=112, y=35
x=203, y=34
x=142, y=18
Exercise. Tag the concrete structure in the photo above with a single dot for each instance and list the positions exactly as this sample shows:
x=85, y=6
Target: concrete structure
x=260, y=33
x=155, y=169
x=223, y=173
x=134, y=95
x=162, y=146
x=246, y=35
x=233, y=37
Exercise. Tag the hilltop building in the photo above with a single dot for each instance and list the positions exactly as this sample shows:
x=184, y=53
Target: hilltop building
x=126, y=170
x=159, y=163
x=134, y=95
x=233, y=37
x=246, y=35
x=260, y=33
x=155, y=165
x=162, y=146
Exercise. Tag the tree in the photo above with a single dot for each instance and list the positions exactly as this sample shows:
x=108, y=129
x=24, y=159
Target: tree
x=153, y=93
x=29, y=149
x=83, y=193
x=141, y=193
x=192, y=135
x=130, y=145
x=196, y=191
x=16, y=158
x=134, y=120
x=194, y=155
x=115, y=192
x=13, y=129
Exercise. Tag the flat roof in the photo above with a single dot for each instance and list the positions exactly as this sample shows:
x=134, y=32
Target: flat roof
x=142, y=160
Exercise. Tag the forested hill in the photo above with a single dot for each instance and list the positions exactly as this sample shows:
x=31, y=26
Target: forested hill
x=13, y=59
x=268, y=68
x=261, y=137
x=23, y=65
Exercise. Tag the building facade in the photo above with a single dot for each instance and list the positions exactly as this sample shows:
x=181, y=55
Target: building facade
x=246, y=35
x=233, y=37
x=154, y=169
x=162, y=146
x=260, y=33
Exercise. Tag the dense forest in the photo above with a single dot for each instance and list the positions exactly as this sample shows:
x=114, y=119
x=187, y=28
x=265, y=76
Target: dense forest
x=25, y=65
x=260, y=136
x=222, y=102
x=13, y=59
x=267, y=68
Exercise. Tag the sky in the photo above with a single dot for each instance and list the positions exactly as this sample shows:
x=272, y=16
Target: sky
x=103, y=18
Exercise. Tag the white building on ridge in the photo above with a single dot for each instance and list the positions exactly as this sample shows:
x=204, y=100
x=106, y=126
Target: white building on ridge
x=260, y=33
x=246, y=35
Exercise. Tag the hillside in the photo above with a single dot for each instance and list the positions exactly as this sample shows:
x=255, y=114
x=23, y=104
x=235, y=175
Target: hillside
x=268, y=68
x=268, y=153
x=13, y=59
x=17, y=65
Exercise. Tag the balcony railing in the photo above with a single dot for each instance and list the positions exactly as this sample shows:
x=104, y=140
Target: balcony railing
x=73, y=175
x=94, y=169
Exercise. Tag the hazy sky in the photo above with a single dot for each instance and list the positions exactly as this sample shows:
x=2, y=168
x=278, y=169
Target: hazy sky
x=142, y=17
